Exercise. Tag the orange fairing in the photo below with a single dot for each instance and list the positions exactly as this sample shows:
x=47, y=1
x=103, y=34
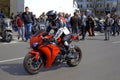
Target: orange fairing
x=38, y=39
x=75, y=36
x=35, y=39
x=50, y=51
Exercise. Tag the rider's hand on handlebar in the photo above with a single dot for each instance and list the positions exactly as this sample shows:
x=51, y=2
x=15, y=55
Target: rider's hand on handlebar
x=52, y=39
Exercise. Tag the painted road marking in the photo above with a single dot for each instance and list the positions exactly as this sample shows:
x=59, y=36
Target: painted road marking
x=96, y=34
x=10, y=60
x=116, y=42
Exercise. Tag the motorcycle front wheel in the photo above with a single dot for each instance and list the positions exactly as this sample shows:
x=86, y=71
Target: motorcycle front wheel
x=9, y=38
x=31, y=65
x=77, y=53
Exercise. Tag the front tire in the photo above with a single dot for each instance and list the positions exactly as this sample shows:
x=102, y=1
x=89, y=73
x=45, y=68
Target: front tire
x=78, y=55
x=9, y=38
x=31, y=65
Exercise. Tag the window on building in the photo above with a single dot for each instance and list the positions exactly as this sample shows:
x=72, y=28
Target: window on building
x=97, y=0
x=91, y=5
x=87, y=5
x=81, y=6
x=96, y=5
x=78, y=6
x=97, y=12
x=100, y=5
x=90, y=0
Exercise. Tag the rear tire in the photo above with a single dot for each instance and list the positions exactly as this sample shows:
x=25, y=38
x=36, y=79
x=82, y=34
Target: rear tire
x=74, y=62
x=31, y=65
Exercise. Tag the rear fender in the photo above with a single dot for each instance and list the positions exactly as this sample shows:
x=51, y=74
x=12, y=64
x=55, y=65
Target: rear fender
x=36, y=53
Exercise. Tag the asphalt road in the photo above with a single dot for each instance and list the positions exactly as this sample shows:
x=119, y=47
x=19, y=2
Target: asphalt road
x=100, y=61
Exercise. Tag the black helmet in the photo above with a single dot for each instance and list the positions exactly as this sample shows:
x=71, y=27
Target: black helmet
x=52, y=15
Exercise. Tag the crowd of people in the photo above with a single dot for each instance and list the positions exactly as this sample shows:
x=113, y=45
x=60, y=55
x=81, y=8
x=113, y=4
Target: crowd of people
x=80, y=22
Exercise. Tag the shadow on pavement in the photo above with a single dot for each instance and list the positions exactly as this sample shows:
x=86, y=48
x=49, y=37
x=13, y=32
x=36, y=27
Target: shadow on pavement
x=13, y=69
x=18, y=69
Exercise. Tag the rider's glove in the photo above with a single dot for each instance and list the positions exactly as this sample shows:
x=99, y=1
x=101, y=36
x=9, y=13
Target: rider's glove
x=52, y=39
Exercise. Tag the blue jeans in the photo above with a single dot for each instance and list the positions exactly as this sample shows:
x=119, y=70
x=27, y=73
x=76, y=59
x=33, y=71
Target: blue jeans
x=113, y=30
x=21, y=32
x=28, y=31
x=107, y=33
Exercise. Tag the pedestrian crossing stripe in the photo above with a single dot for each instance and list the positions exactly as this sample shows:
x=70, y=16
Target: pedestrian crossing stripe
x=14, y=41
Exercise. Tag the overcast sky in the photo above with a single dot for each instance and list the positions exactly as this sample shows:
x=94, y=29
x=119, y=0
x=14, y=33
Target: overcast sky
x=39, y=6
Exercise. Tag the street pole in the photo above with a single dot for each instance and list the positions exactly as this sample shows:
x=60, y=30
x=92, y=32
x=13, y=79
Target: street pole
x=104, y=6
x=118, y=6
x=118, y=10
x=94, y=7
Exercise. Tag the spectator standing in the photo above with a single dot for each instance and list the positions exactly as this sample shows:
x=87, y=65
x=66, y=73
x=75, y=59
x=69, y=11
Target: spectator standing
x=119, y=24
x=91, y=25
x=42, y=18
x=107, y=9
x=62, y=17
x=12, y=16
x=83, y=25
x=2, y=15
x=28, y=20
x=35, y=27
x=75, y=22
x=67, y=18
x=115, y=25
x=108, y=24
x=20, y=25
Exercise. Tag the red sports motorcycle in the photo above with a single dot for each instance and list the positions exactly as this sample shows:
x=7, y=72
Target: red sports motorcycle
x=45, y=53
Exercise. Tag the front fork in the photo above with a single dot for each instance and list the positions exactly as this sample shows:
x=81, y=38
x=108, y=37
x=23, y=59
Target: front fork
x=36, y=53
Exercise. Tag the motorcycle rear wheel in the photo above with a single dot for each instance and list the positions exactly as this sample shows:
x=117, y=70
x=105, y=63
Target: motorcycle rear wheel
x=31, y=65
x=74, y=62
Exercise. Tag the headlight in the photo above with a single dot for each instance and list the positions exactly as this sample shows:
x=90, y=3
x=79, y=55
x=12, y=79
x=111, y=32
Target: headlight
x=35, y=45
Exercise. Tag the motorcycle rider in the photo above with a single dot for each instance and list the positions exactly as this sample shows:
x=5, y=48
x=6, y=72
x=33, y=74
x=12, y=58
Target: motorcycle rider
x=55, y=23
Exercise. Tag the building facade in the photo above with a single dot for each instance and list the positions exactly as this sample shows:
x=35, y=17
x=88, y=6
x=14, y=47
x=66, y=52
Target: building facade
x=9, y=6
x=97, y=6
x=83, y=5
x=17, y=6
x=5, y=6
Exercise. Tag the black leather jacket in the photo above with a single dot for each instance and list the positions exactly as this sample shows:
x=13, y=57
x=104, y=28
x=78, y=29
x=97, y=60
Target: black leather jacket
x=55, y=25
x=28, y=18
